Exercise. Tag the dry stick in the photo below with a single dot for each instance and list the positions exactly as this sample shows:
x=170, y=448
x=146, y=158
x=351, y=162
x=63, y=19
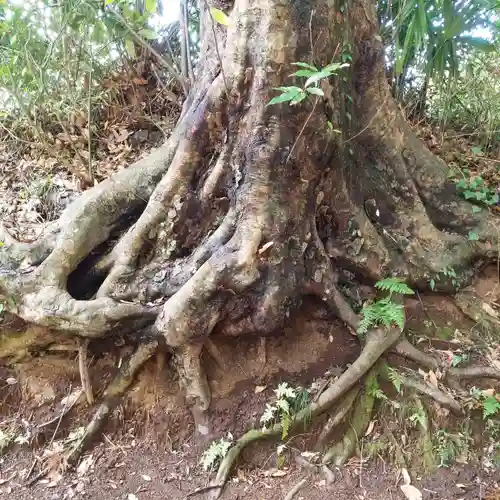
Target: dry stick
x=44, y=471
x=201, y=490
x=89, y=118
x=60, y=419
x=187, y=48
x=377, y=342
x=302, y=130
x=84, y=371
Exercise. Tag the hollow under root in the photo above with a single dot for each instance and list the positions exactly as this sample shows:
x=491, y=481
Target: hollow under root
x=341, y=451
x=112, y=396
x=377, y=342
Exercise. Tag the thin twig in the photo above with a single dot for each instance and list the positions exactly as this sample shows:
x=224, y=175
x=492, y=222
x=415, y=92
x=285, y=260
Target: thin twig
x=204, y=489
x=296, y=489
x=302, y=130
x=369, y=123
x=89, y=117
x=60, y=419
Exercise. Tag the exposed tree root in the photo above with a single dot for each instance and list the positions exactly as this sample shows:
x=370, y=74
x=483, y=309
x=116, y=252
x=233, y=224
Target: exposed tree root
x=427, y=455
x=409, y=351
x=248, y=207
x=294, y=491
x=475, y=372
x=433, y=392
x=112, y=398
x=340, y=452
x=337, y=417
x=377, y=342
x=84, y=370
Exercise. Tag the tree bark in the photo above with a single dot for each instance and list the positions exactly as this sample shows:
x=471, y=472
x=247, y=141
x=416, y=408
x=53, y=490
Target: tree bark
x=247, y=208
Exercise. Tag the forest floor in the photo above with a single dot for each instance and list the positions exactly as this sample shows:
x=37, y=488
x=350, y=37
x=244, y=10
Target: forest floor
x=148, y=450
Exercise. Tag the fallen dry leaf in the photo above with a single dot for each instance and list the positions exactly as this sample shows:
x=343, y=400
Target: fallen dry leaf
x=488, y=393
x=85, y=465
x=370, y=428
x=146, y=477
x=264, y=247
x=260, y=388
x=432, y=378
x=489, y=310
x=410, y=492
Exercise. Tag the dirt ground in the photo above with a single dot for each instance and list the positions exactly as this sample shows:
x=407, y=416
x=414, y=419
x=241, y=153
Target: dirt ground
x=135, y=469
x=149, y=450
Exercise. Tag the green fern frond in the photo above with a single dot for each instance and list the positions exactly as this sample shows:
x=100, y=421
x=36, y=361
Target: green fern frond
x=284, y=406
x=394, y=285
x=285, y=425
x=215, y=453
x=368, y=318
x=395, y=378
x=383, y=312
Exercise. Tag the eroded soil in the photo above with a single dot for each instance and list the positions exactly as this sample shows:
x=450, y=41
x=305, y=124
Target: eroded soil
x=149, y=451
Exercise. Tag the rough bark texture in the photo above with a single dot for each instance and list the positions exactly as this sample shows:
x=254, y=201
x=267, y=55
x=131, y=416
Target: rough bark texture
x=247, y=208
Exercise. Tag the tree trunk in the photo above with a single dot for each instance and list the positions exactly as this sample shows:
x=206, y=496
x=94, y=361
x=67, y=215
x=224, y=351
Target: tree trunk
x=248, y=208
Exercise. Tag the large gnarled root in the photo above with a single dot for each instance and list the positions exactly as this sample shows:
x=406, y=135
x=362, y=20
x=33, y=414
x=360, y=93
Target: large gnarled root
x=377, y=342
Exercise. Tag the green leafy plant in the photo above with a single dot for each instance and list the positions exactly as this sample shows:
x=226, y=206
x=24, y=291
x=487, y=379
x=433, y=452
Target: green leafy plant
x=219, y=16
x=216, y=452
x=458, y=359
x=445, y=273
x=449, y=446
x=313, y=76
x=477, y=191
x=489, y=401
x=419, y=417
x=395, y=378
x=385, y=311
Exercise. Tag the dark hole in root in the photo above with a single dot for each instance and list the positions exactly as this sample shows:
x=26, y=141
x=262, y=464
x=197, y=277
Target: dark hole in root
x=84, y=281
